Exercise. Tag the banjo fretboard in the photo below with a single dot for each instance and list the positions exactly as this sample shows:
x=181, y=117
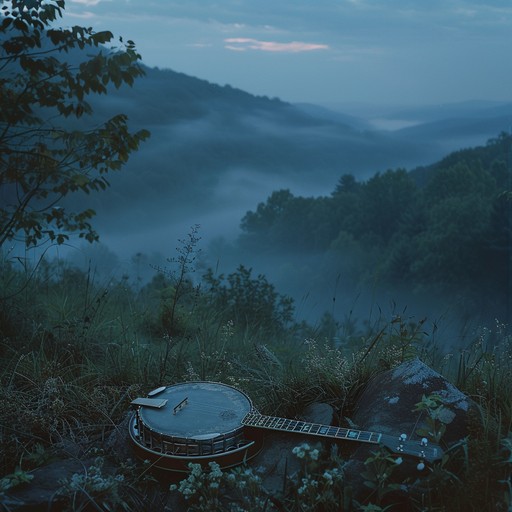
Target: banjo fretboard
x=253, y=419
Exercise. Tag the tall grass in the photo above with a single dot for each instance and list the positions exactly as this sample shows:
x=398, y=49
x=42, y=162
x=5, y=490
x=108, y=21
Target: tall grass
x=74, y=352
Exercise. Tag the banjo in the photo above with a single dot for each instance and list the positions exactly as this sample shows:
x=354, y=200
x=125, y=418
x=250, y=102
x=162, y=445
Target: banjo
x=208, y=421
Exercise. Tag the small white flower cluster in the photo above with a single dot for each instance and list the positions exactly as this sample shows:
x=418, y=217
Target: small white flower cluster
x=332, y=475
x=317, y=485
x=51, y=386
x=237, y=382
x=392, y=355
x=243, y=478
x=191, y=373
x=326, y=360
x=321, y=489
x=93, y=481
x=198, y=480
x=228, y=330
x=308, y=484
x=304, y=451
x=248, y=486
x=214, y=476
x=202, y=488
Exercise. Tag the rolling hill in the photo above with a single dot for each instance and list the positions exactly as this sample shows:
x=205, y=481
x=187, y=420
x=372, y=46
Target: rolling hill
x=215, y=151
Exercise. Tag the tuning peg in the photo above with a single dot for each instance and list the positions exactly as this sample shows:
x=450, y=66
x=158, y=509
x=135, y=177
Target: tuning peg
x=420, y=466
x=424, y=441
x=401, y=440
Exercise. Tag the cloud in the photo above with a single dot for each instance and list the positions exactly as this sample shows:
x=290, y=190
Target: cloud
x=88, y=3
x=200, y=45
x=245, y=43
x=85, y=15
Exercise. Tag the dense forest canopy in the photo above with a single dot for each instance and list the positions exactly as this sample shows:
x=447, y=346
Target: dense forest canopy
x=445, y=229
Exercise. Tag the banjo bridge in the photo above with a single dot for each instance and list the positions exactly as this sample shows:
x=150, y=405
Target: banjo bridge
x=180, y=405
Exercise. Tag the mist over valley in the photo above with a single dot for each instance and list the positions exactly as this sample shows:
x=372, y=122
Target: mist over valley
x=217, y=152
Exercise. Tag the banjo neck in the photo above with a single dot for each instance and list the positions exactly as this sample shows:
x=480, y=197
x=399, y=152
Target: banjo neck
x=254, y=419
x=397, y=444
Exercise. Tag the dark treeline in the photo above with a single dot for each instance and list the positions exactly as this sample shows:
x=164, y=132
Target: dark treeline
x=444, y=230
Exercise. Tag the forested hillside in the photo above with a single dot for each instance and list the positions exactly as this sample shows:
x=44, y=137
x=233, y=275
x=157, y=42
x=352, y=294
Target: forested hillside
x=208, y=139
x=206, y=136
x=445, y=230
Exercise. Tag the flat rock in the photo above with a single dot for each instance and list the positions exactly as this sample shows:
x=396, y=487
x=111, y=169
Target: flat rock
x=41, y=492
x=388, y=402
x=387, y=405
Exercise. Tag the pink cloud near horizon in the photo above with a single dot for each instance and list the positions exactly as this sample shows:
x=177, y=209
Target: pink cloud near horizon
x=242, y=44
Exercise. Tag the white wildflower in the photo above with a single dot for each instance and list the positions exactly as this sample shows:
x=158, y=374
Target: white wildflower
x=314, y=454
x=215, y=471
x=300, y=451
x=195, y=469
x=328, y=476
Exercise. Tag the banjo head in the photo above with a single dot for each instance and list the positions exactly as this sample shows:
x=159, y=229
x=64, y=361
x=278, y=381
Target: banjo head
x=196, y=410
x=192, y=422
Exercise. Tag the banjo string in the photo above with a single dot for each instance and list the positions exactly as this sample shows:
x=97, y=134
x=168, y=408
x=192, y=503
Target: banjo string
x=205, y=407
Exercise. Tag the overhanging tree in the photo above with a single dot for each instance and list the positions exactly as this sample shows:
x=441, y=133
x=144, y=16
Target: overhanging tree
x=46, y=75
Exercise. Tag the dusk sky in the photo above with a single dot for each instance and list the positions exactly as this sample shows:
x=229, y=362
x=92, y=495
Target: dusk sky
x=324, y=51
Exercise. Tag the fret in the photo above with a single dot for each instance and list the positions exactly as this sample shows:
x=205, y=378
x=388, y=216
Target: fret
x=353, y=434
x=273, y=422
x=375, y=438
x=291, y=425
x=287, y=425
x=298, y=426
x=364, y=436
x=315, y=427
x=339, y=432
x=280, y=422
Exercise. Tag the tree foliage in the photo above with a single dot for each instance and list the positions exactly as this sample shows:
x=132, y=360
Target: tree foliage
x=249, y=301
x=445, y=229
x=47, y=74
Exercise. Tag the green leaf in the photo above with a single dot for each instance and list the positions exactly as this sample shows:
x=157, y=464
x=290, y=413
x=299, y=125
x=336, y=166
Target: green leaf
x=56, y=160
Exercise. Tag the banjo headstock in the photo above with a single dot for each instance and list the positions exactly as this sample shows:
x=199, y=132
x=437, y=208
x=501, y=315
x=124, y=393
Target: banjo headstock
x=421, y=449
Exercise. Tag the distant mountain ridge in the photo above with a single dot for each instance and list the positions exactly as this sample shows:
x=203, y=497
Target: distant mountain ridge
x=465, y=124
x=219, y=149
x=170, y=96
x=465, y=109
